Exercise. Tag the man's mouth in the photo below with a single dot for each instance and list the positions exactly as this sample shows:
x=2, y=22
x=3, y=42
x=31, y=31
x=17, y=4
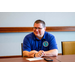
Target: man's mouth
x=37, y=32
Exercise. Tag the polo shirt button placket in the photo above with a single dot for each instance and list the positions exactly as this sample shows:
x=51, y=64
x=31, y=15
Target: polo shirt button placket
x=39, y=45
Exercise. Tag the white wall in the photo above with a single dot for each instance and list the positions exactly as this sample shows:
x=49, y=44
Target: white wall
x=26, y=19
x=10, y=43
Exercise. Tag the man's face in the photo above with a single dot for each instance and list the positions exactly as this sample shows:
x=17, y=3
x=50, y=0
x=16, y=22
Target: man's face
x=38, y=29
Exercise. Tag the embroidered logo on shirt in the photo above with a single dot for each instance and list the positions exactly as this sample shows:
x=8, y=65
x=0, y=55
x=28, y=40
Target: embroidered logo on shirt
x=45, y=44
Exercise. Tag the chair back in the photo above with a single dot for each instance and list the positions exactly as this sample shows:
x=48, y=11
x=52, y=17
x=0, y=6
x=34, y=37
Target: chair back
x=68, y=47
x=22, y=48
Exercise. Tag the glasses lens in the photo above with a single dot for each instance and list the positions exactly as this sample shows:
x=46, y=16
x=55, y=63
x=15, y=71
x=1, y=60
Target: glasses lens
x=37, y=28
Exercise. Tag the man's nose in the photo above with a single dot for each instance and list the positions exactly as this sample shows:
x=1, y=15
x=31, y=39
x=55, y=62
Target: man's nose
x=37, y=29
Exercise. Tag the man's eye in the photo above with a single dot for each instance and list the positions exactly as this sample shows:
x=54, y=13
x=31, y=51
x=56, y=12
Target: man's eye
x=39, y=28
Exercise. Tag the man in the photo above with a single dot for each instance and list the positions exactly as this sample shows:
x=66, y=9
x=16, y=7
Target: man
x=39, y=43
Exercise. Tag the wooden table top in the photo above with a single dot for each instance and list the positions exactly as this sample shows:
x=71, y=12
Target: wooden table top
x=59, y=58
x=65, y=58
x=22, y=59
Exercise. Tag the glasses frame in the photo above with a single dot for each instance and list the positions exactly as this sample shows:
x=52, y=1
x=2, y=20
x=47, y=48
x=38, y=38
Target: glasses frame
x=37, y=28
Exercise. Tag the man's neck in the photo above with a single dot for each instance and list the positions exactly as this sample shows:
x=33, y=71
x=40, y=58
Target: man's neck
x=40, y=38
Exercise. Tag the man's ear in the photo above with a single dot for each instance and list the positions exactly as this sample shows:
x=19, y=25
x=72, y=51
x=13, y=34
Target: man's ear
x=45, y=28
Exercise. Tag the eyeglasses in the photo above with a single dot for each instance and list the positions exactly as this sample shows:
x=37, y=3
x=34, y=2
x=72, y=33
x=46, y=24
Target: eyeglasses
x=37, y=28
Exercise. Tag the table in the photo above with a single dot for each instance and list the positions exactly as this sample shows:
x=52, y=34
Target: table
x=23, y=59
x=59, y=58
x=65, y=58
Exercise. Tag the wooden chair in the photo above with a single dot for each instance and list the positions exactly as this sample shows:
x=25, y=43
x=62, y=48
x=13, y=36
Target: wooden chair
x=22, y=48
x=68, y=47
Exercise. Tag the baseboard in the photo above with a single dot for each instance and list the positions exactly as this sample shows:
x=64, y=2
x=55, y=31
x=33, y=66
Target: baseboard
x=11, y=56
x=59, y=53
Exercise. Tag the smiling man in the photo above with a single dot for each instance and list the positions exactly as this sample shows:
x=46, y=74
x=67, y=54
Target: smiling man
x=39, y=43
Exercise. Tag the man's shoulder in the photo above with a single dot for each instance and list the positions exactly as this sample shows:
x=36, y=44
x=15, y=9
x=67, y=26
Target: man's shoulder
x=48, y=34
x=30, y=35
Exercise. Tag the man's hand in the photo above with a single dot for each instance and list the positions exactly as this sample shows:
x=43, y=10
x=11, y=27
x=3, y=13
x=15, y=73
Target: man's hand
x=31, y=53
x=40, y=53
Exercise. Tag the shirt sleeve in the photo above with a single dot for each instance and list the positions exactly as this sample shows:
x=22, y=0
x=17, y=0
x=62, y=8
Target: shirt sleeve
x=26, y=44
x=52, y=43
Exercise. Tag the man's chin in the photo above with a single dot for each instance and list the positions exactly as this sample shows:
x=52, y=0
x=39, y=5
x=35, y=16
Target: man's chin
x=37, y=35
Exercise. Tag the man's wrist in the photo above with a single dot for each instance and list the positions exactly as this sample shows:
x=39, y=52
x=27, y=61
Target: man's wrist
x=34, y=54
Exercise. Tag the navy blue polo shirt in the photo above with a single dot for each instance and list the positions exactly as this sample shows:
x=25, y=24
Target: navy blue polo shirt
x=31, y=42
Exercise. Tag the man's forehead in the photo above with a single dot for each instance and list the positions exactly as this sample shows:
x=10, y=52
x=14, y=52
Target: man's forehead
x=38, y=25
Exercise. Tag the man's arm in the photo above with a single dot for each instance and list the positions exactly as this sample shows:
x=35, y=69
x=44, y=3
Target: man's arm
x=41, y=53
x=29, y=54
x=53, y=52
